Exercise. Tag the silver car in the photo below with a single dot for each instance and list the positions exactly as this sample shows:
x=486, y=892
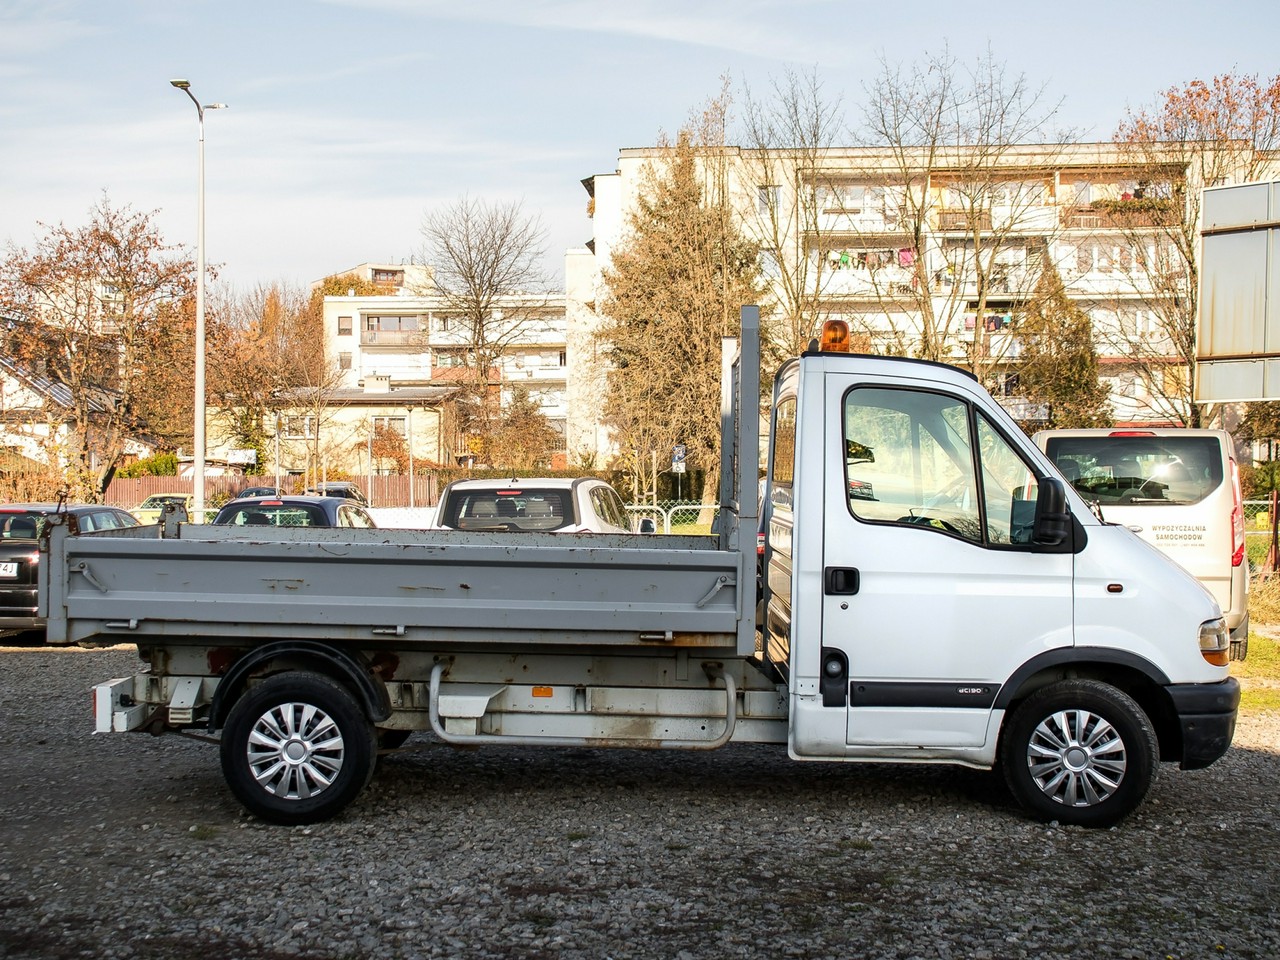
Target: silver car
x=563, y=505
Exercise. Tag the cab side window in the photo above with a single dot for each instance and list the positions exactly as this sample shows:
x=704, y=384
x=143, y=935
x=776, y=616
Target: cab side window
x=923, y=459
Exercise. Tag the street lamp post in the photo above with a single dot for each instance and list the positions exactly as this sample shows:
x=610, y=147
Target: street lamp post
x=198, y=430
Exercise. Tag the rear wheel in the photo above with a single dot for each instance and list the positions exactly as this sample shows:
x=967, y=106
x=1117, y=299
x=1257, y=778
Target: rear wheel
x=297, y=748
x=1080, y=752
x=1240, y=640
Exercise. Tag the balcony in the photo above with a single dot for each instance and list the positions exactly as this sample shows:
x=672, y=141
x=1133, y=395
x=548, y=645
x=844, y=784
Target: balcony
x=857, y=221
x=1016, y=218
x=391, y=338
x=950, y=221
x=1119, y=215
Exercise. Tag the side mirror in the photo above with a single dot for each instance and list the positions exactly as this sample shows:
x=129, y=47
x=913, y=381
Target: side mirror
x=648, y=525
x=1053, y=520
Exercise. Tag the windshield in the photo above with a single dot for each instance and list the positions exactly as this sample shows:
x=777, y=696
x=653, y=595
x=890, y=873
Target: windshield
x=1140, y=470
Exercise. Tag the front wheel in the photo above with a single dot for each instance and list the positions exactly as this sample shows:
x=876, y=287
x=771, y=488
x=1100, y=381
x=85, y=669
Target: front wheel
x=1080, y=752
x=297, y=748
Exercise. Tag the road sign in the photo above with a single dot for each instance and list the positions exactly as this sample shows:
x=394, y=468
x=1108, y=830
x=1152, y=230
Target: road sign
x=1238, y=328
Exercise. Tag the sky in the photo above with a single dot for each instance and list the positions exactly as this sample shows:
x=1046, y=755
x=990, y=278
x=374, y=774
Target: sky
x=349, y=120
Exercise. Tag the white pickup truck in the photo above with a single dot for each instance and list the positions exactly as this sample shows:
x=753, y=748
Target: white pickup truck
x=932, y=592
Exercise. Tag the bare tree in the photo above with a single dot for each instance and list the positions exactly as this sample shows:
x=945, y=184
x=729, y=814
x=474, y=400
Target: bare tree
x=944, y=209
x=93, y=305
x=789, y=138
x=1226, y=130
x=489, y=276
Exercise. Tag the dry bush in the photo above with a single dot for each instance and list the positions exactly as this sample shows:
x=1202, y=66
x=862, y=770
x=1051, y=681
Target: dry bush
x=1264, y=599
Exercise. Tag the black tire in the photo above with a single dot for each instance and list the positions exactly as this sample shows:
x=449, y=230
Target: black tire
x=1080, y=752
x=297, y=748
x=1239, y=647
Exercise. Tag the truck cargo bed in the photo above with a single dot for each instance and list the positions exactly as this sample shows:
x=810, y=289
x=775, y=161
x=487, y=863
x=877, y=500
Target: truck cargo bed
x=402, y=586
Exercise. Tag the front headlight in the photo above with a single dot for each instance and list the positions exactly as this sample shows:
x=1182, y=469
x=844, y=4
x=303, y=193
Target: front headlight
x=1215, y=642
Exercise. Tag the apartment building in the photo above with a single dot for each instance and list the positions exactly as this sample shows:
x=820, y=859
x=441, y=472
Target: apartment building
x=913, y=250
x=408, y=342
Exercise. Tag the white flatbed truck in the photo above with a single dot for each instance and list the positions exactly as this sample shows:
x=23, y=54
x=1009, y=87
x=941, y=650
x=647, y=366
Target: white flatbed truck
x=931, y=592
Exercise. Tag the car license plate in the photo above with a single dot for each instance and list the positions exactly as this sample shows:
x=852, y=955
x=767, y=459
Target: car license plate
x=8, y=571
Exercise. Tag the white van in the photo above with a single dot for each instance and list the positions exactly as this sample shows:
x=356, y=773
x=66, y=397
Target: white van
x=1178, y=489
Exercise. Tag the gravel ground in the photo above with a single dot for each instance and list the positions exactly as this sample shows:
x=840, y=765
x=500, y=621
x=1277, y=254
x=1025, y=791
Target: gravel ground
x=131, y=847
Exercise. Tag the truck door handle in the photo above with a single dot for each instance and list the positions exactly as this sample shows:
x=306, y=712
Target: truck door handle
x=840, y=581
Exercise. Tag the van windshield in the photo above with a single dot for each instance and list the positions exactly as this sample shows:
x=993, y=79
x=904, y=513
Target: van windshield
x=1139, y=470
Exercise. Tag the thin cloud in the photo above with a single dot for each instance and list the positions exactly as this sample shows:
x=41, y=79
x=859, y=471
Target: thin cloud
x=756, y=28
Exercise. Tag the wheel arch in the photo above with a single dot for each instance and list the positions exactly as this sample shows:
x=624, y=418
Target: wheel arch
x=1138, y=677
x=348, y=668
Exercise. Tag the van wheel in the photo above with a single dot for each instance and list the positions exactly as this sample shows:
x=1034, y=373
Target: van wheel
x=1079, y=752
x=1240, y=640
x=297, y=748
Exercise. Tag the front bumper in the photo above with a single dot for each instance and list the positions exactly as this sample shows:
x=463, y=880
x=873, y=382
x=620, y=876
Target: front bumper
x=1206, y=714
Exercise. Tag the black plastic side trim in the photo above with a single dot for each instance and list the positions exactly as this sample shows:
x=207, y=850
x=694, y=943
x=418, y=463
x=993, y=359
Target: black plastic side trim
x=335, y=662
x=977, y=696
x=1072, y=655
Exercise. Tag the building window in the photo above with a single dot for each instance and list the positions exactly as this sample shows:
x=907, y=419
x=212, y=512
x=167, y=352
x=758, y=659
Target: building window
x=770, y=268
x=769, y=197
x=563, y=358
x=344, y=326
x=382, y=323
x=393, y=277
x=344, y=361
x=1007, y=385
x=299, y=428
x=396, y=425
x=841, y=198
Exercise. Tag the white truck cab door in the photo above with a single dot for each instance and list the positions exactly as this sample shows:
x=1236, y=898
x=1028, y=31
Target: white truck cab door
x=932, y=592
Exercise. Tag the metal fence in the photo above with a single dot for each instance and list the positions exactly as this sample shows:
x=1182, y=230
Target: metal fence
x=1257, y=516
x=679, y=516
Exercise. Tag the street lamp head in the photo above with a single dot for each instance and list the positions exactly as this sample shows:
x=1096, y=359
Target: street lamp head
x=180, y=84
x=215, y=106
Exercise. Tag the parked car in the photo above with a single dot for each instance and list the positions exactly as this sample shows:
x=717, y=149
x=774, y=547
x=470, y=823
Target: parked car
x=151, y=509
x=20, y=526
x=339, y=488
x=1178, y=488
x=259, y=492
x=294, y=512
x=565, y=505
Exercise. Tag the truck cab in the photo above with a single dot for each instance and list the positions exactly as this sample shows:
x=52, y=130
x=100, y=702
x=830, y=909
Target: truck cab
x=933, y=590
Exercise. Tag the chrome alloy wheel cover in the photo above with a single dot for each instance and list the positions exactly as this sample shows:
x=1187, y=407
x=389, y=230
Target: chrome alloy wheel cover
x=1076, y=758
x=295, y=751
